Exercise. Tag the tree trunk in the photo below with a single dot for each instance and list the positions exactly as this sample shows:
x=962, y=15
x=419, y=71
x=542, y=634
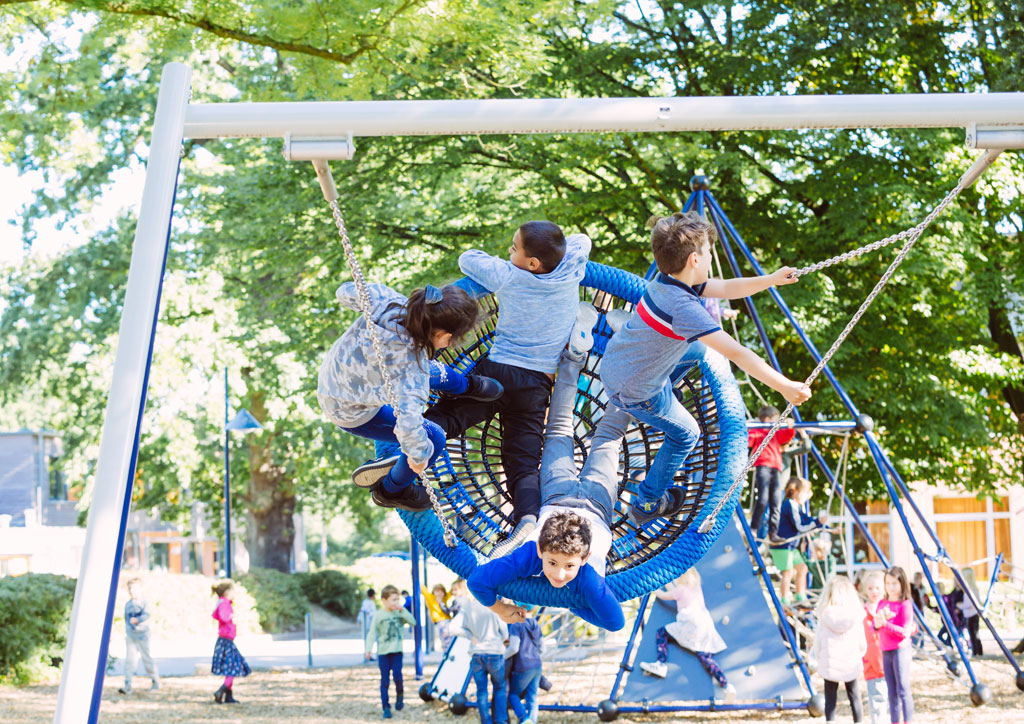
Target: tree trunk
x=269, y=532
x=1002, y=334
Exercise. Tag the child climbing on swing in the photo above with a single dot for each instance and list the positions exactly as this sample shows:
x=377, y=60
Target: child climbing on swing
x=353, y=395
x=693, y=631
x=793, y=524
x=666, y=334
x=840, y=644
x=537, y=289
x=574, y=535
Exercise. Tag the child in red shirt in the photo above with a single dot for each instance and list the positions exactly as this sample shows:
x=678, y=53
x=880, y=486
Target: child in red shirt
x=872, y=587
x=767, y=470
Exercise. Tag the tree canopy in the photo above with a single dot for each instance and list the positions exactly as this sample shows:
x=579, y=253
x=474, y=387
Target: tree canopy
x=255, y=260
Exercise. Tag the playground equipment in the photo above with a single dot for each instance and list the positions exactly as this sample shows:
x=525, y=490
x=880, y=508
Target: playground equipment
x=323, y=131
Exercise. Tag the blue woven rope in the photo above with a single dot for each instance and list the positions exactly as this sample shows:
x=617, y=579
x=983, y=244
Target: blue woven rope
x=674, y=556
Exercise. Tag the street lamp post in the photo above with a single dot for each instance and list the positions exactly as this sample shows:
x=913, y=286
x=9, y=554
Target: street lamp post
x=244, y=421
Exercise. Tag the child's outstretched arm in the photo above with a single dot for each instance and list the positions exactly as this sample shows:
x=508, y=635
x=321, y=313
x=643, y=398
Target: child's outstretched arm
x=488, y=271
x=601, y=608
x=487, y=577
x=751, y=363
x=740, y=287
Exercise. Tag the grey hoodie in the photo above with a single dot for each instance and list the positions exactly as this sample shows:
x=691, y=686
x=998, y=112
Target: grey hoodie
x=351, y=388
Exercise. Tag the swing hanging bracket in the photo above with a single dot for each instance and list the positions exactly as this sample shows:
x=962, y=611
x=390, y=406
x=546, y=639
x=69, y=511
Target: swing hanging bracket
x=309, y=148
x=996, y=137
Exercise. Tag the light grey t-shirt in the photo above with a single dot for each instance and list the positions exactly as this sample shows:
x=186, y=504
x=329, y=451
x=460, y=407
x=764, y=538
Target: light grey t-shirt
x=642, y=354
x=535, y=311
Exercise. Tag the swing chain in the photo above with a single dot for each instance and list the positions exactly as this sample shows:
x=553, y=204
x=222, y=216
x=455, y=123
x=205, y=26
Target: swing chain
x=881, y=243
x=912, y=236
x=371, y=327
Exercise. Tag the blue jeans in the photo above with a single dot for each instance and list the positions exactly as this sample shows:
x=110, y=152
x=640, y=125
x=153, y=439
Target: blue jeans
x=481, y=667
x=664, y=412
x=524, y=686
x=596, y=485
x=390, y=664
x=381, y=427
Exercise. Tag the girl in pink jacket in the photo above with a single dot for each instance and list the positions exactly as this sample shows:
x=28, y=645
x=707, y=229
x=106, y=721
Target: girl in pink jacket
x=894, y=621
x=227, y=660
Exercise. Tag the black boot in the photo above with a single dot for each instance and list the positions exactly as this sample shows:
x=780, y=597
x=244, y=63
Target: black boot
x=229, y=697
x=1019, y=648
x=218, y=696
x=413, y=498
x=484, y=389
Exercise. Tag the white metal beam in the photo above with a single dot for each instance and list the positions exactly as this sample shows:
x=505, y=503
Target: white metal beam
x=85, y=654
x=331, y=119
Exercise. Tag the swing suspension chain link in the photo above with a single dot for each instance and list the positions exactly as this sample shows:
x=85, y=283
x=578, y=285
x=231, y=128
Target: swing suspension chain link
x=912, y=235
x=389, y=391
x=882, y=243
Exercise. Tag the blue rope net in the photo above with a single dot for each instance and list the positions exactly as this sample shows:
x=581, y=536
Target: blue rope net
x=471, y=482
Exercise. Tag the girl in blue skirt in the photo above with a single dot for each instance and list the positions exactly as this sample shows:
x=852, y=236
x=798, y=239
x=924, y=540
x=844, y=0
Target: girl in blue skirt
x=227, y=660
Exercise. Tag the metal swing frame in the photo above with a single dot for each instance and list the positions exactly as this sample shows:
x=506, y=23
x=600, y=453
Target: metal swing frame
x=324, y=131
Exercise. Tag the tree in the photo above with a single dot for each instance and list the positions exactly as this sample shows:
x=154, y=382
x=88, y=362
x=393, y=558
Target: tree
x=936, y=363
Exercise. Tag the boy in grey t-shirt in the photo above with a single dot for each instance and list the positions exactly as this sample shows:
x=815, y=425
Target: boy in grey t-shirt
x=668, y=328
x=538, y=302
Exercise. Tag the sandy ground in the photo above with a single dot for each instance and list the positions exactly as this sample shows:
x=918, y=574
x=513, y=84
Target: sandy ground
x=351, y=695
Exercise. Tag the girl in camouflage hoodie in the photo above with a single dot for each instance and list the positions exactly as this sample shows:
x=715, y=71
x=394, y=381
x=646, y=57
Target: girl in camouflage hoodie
x=351, y=388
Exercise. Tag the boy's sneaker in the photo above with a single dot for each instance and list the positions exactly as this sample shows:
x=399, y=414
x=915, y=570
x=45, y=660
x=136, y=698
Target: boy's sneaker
x=515, y=539
x=413, y=498
x=616, y=318
x=670, y=503
x=484, y=389
x=373, y=471
x=545, y=683
x=155, y=686
x=581, y=340
x=655, y=668
x=387, y=713
x=125, y=690
x=399, y=704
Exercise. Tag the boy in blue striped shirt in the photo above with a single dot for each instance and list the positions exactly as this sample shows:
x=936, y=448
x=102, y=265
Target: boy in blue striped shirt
x=667, y=332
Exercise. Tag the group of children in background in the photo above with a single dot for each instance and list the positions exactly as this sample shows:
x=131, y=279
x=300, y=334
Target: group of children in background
x=872, y=637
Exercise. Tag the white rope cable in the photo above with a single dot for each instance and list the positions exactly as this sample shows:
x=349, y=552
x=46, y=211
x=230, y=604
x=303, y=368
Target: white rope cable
x=911, y=235
x=327, y=184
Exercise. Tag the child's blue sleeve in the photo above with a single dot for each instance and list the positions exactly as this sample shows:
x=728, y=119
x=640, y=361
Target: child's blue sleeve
x=807, y=522
x=601, y=608
x=484, y=581
x=488, y=271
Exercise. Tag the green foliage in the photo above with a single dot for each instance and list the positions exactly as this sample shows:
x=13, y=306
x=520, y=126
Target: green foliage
x=337, y=592
x=280, y=600
x=255, y=260
x=34, y=613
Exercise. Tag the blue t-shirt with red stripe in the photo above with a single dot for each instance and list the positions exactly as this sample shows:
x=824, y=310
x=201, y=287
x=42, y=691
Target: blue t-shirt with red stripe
x=642, y=354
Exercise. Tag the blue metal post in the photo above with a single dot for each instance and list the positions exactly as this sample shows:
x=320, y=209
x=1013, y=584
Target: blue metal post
x=414, y=556
x=638, y=626
x=309, y=640
x=227, y=484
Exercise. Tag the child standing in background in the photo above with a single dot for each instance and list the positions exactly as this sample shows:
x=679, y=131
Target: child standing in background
x=894, y=621
x=840, y=644
x=387, y=630
x=487, y=635
x=873, y=588
x=227, y=660
x=524, y=646
x=366, y=611
x=136, y=638
x=768, y=482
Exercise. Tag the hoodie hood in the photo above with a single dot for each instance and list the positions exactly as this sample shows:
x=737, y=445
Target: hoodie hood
x=841, y=619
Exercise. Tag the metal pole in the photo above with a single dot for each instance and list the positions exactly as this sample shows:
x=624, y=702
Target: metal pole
x=85, y=657
x=309, y=640
x=414, y=555
x=227, y=484
x=339, y=119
